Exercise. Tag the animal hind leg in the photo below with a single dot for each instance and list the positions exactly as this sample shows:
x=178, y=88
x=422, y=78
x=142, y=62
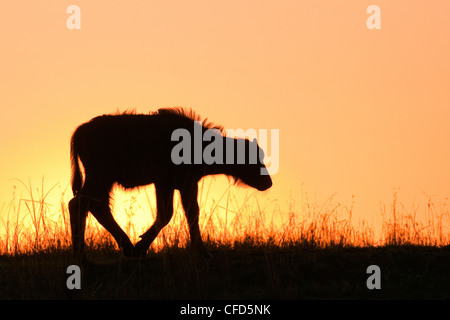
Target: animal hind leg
x=78, y=209
x=102, y=212
x=94, y=197
x=164, y=212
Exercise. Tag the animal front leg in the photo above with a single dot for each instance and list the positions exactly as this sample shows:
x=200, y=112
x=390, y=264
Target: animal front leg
x=191, y=210
x=164, y=207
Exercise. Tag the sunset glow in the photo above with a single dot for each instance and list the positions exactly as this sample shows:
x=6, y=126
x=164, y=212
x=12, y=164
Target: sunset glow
x=362, y=114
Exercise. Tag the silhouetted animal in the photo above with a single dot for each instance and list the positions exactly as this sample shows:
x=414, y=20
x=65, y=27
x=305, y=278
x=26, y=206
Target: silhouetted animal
x=135, y=150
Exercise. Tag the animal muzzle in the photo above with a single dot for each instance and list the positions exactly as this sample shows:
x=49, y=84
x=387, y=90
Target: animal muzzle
x=266, y=185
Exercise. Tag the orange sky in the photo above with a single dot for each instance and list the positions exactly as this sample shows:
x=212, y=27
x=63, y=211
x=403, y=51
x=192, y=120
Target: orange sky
x=360, y=112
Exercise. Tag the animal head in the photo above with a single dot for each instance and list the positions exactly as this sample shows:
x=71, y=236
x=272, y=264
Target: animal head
x=250, y=167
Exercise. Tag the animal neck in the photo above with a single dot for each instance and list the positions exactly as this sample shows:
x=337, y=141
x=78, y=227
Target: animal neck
x=227, y=163
x=227, y=169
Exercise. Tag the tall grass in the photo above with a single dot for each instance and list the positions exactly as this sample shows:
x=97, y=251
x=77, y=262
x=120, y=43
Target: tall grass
x=28, y=223
x=402, y=225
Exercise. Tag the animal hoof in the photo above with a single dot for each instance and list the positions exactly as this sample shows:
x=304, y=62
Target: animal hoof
x=140, y=249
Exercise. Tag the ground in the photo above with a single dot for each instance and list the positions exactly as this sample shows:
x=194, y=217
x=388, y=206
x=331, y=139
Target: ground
x=242, y=272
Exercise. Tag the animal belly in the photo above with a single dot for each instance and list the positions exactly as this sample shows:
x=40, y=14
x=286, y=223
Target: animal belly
x=133, y=177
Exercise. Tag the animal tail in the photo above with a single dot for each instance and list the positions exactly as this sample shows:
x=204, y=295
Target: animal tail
x=77, y=179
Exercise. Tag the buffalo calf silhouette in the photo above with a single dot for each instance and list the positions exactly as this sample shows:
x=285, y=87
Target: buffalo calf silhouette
x=136, y=150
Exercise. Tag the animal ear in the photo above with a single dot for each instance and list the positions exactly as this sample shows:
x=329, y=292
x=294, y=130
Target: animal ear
x=254, y=140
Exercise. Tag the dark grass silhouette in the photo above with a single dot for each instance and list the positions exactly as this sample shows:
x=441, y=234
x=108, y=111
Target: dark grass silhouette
x=135, y=150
